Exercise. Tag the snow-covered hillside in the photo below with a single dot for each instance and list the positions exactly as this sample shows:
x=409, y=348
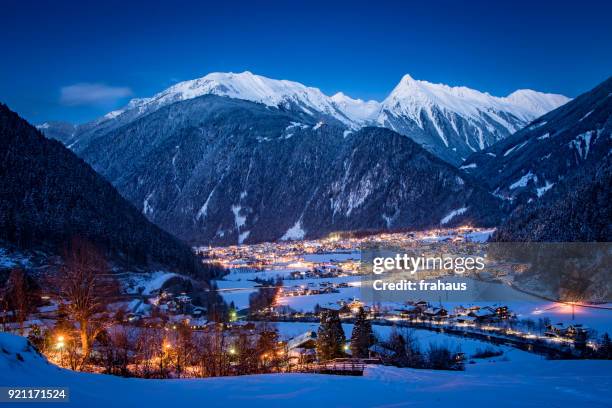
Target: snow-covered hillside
x=499, y=383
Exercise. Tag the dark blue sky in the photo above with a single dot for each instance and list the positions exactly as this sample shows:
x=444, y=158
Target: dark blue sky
x=112, y=51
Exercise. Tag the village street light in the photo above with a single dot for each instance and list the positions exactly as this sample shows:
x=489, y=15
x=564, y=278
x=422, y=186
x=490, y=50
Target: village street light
x=59, y=345
x=60, y=342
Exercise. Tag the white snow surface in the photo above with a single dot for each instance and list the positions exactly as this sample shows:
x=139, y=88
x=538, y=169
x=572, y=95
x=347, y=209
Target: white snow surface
x=515, y=147
x=547, y=186
x=517, y=382
x=452, y=215
x=148, y=281
x=522, y=182
x=582, y=143
x=357, y=110
x=296, y=232
x=239, y=220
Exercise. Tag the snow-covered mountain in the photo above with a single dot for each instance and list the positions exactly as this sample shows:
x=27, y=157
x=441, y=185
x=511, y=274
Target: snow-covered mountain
x=221, y=170
x=525, y=166
x=360, y=112
x=247, y=86
x=451, y=122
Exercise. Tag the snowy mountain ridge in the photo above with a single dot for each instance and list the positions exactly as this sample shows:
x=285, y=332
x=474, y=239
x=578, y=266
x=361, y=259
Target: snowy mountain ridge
x=412, y=96
x=246, y=86
x=409, y=96
x=451, y=122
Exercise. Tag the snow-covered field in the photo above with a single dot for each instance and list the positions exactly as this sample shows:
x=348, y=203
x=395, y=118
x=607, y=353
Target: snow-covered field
x=500, y=384
x=457, y=344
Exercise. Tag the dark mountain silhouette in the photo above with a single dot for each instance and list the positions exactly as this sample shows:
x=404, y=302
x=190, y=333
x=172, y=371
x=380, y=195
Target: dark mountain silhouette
x=49, y=196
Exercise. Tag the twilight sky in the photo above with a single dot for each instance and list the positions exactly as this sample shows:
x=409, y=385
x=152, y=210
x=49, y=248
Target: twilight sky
x=68, y=61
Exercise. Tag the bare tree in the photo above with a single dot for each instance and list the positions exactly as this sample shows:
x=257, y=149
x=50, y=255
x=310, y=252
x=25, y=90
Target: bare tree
x=213, y=352
x=149, y=348
x=19, y=296
x=184, y=348
x=85, y=286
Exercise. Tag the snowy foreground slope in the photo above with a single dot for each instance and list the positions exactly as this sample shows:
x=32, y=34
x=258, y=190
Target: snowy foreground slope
x=504, y=384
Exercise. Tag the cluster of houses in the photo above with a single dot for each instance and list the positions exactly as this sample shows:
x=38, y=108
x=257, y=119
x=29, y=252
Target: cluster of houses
x=319, y=271
x=175, y=307
x=575, y=332
x=312, y=289
x=422, y=310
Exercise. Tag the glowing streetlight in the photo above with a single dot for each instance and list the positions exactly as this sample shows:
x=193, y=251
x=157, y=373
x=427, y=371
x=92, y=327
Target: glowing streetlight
x=232, y=350
x=60, y=342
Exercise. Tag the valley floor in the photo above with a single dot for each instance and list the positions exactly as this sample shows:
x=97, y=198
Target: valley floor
x=499, y=383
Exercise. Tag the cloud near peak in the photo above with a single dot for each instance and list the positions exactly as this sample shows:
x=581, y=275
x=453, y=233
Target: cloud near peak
x=96, y=94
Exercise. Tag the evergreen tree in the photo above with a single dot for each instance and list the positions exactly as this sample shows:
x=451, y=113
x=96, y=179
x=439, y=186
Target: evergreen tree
x=362, y=337
x=330, y=336
x=405, y=350
x=605, y=350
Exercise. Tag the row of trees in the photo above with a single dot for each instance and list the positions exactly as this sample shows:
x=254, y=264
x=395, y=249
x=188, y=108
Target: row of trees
x=401, y=350
x=159, y=353
x=331, y=339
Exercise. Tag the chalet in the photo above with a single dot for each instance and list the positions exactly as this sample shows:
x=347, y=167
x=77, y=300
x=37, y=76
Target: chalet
x=198, y=323
x=572, y=332
x=380, y=351
x=304, y=340
x=355, y=305
x=465, y=320
x=484, y=315
x=198, y=311
x=410, y=312
x=302, y=349
x=502, y=312
x=436, y=313
x=465, y=311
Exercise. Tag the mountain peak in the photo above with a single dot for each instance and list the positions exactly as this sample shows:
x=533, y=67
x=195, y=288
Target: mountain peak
x=357, y=110
x=537, y=102
x=407, y=78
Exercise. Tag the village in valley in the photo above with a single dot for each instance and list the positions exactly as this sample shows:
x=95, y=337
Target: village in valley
x=298, y=306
